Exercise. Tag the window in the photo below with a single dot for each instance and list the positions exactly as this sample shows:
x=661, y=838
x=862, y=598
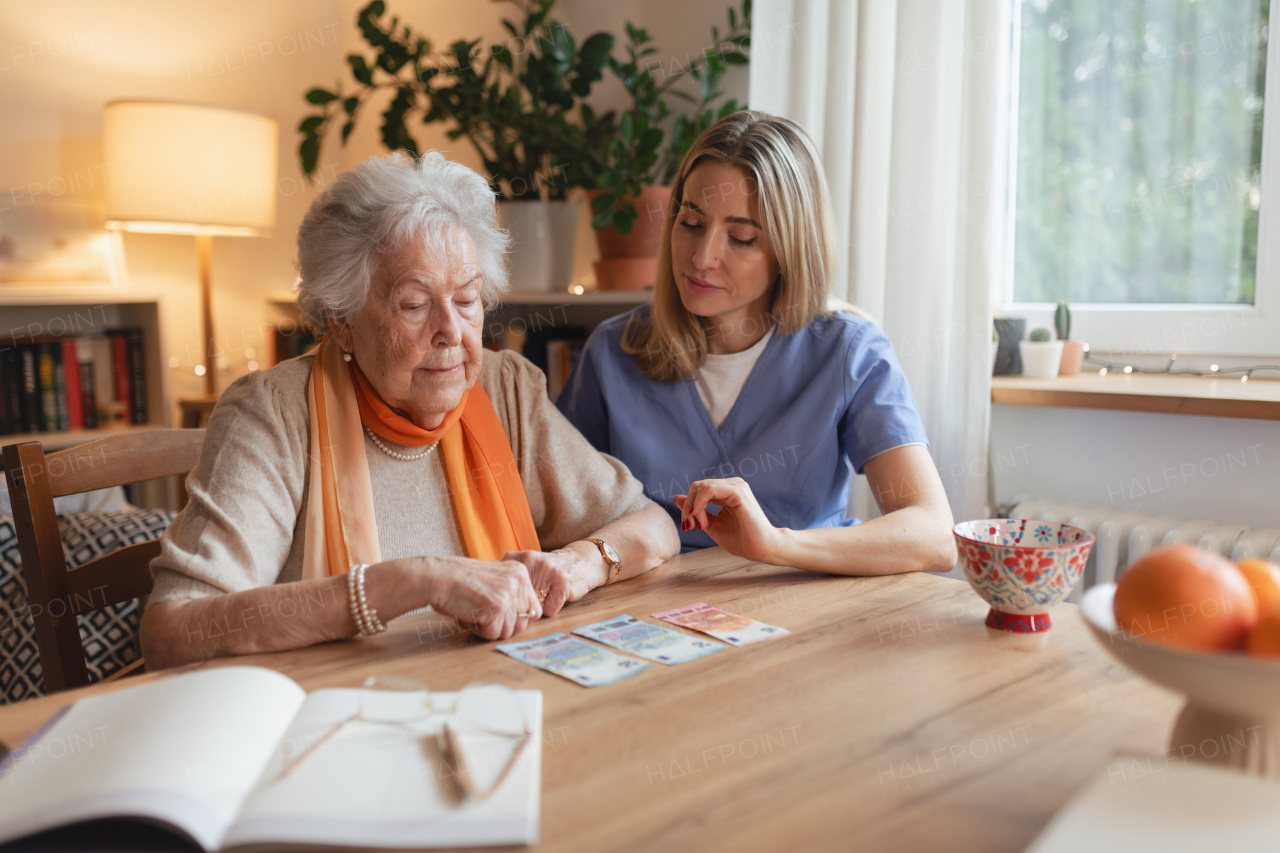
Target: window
x=1138, y=181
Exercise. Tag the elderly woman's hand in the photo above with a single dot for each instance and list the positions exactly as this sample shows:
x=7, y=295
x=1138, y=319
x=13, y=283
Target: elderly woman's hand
x=741, y=527
x=561, y=576
x=492, y=599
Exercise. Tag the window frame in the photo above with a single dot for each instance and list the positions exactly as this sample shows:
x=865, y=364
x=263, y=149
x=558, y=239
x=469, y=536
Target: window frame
x=1164, y=328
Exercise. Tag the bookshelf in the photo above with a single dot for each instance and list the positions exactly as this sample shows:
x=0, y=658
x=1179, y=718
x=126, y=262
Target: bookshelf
x=27, y=316
x=528, y=320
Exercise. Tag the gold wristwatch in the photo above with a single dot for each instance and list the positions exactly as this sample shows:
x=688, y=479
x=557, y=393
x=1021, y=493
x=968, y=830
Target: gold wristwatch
x=610, y=556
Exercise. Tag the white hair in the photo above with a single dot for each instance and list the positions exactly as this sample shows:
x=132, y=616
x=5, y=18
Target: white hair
x=376, y=209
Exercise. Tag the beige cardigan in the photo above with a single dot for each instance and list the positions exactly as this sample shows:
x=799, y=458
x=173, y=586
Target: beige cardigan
x=243, y=527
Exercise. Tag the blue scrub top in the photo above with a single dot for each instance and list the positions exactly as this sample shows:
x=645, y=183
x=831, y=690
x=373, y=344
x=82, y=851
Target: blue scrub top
x=829, y=394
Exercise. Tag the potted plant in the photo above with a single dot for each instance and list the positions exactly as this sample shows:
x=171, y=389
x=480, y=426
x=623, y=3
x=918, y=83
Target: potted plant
x=1041, y=354
x=636, y=166
x=1072, y=351
x=522, y=110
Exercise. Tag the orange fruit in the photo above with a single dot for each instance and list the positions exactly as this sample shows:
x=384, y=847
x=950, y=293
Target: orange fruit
x=1264, y=577
x=1187, y=597
x=1264, y=639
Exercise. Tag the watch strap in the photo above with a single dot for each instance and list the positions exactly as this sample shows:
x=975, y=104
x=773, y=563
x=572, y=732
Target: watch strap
x=604, y=552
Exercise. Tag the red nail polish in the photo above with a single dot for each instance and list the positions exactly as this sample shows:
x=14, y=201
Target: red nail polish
x=699, y=523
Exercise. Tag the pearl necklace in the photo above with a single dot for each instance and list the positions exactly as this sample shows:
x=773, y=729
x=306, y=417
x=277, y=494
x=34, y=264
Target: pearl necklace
x=403, y=457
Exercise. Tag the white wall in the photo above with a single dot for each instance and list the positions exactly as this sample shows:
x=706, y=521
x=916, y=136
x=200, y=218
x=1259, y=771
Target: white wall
x=1199, y=467
x=61, y=60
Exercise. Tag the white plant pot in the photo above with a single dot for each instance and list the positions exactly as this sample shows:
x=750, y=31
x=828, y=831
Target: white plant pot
x=543, y=234
x=1040, y=360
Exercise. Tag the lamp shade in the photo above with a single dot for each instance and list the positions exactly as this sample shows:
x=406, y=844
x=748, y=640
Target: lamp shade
x=177, y=168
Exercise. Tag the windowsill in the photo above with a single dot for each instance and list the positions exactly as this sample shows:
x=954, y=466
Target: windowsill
x=1182, y=395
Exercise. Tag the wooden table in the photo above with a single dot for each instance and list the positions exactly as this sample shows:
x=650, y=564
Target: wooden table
x=892, y=719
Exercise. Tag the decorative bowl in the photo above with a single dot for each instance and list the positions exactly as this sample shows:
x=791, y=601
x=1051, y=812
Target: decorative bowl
x=1021, y=567
x=1232, y=715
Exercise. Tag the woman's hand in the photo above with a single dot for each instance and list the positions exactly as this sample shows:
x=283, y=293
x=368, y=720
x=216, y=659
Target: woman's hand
x=492, y=599
x=562, y=576
x=740, y=528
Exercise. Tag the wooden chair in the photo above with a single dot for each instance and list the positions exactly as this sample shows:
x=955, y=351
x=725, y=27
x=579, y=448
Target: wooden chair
x=35, y=479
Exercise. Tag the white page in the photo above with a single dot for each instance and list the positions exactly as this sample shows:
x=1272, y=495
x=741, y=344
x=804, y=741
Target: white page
x=374, y=785
x=1165, y=803
x=185, y=750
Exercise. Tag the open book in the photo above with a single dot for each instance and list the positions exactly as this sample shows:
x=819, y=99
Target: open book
x=214, y=755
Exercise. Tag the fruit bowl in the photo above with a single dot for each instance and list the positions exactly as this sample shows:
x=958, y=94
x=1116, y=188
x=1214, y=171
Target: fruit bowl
x=1021, y=567
x=1232, y=715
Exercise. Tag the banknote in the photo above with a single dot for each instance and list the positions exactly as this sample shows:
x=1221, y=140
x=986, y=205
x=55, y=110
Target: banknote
x=643, y=639
x=579, y=661
x=721, y=624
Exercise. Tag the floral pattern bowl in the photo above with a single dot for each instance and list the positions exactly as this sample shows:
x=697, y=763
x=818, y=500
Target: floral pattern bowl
x=1021, y=567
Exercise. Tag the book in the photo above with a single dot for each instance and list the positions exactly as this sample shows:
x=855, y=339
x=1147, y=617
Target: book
x=30, y=403
x=71, y=375
x=46, y=371
x=88, y=382
x=137, y=377
x=207, y=754
x=120, y=372
x=1165, y=802
x=60, y=387
x=562, y=355
x=10, y=383
x=104, y=388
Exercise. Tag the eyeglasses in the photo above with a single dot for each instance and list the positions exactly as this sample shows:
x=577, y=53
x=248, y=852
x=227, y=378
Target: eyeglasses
x=476, y=710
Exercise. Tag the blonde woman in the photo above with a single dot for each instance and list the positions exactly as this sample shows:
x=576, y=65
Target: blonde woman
x=739, y=390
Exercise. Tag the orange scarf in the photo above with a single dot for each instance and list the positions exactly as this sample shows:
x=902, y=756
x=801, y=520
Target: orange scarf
x=484, y=483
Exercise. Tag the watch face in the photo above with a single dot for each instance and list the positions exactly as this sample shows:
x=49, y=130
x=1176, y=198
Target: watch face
x=610, y=553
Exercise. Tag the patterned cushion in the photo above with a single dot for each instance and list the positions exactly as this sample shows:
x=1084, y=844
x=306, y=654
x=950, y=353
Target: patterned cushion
x=109, y=635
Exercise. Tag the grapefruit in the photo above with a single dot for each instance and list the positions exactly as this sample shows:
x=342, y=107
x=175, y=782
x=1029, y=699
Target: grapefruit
x=1264, y=577
x=1186, y=597
x=1264, y=639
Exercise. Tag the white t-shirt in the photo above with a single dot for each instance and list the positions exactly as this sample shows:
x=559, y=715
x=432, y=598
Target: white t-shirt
x=721, y=377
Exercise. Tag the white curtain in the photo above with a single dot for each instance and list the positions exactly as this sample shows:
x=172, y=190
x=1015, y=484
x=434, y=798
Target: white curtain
x=909, y=102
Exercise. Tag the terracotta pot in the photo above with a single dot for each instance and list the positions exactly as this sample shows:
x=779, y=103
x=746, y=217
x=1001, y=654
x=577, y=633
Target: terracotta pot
x=1072, y=358
x=646, y=233
x=625, y=273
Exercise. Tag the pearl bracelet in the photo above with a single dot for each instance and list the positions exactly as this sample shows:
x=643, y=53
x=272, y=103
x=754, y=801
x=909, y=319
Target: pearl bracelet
x=365, y=617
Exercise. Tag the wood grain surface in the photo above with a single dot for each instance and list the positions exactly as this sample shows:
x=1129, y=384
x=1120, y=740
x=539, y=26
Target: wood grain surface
x=1257, y=399
x=891, y=719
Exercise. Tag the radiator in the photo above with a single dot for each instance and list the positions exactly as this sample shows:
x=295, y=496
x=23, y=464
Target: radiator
x=1124, y=536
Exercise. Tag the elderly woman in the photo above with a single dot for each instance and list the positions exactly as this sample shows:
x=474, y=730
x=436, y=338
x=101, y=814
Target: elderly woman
x=401, y=465
x=739, y=389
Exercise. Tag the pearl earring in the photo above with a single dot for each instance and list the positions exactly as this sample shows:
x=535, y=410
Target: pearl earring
x=346, y=356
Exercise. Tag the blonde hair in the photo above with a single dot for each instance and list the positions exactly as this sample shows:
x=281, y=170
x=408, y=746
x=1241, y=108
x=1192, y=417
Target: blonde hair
x=796, y=213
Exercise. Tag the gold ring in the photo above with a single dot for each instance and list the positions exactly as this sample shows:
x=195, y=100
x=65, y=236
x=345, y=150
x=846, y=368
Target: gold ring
x=529, y=614
x=542, y=594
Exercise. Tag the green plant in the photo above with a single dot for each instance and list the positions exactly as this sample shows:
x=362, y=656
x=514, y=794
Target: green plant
x=522, y=111
x=1041, y=335
x=1062, y=320
x=642, y=152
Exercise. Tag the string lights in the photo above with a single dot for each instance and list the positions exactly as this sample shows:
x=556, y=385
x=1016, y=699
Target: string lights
x=1171, y=369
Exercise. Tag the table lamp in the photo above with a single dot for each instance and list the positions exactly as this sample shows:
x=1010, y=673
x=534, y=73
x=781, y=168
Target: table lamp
x=175, y=168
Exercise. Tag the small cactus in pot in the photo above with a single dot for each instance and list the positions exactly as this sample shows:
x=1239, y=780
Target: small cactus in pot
x=1041, y=354
x=1062, y=320
x=1072, y=351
